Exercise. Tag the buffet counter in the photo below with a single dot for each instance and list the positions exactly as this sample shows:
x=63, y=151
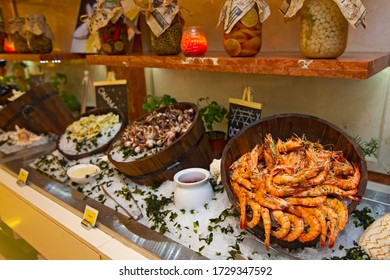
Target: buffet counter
x=48, y=215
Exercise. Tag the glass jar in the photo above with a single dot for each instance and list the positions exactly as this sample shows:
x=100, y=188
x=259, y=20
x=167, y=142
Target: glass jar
x=18, y=35
x=323, y=29
x=38, y=34
x=113, y=37
x=193, y=42
x=169, y=42
x=245, y=38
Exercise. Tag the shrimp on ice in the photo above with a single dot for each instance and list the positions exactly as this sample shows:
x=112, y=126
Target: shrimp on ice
x=256, y=213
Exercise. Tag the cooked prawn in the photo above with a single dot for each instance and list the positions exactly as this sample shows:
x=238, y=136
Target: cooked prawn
x=266, y=200
x=340, y=209
x=306, y=201
x=297, y=179
x=321, y=216
x=267, y=226
x=256, y=213
x=333, y=224
x=239, y=178
x=328, y=189
x=242, y=199
x=297, y=227
x=279, y=191
x=312, y=223
x=284, y=224
x=350, y=183
x=289, y=145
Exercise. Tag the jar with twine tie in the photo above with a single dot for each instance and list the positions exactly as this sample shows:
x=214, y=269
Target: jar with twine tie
x=115, y=21
x=324, y=25
x=166, y=24
x=17, y=34
x=243, y=26
x=38, y=34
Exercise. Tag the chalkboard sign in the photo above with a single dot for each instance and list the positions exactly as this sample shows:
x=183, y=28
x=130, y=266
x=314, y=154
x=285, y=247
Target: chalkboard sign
x=112, y=94
x=241, y=114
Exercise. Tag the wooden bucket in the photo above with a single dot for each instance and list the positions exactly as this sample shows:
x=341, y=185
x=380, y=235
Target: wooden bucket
x=40, y=110
x=101, y=149
x=285, y=126
x=190, y=150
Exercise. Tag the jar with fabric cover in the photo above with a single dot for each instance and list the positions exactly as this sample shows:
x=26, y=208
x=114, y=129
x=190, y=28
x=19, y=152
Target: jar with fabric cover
x=38, y=34
x=323, y=29
x=324, y=24
x=114, y=22
x=166, y=25
x=17, y=34
x=243, y=26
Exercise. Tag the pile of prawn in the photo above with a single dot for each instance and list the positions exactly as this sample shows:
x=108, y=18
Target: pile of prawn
x=296, y=185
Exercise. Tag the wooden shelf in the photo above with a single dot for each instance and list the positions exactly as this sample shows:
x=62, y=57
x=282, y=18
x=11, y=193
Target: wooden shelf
x=348, y=66
x=44, y=57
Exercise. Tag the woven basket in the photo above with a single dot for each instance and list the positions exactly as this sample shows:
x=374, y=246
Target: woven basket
x=102, y=148
x=190, y=150
x=285, y=126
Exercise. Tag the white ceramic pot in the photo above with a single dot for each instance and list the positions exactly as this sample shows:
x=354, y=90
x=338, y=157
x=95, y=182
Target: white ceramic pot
x=193, y=189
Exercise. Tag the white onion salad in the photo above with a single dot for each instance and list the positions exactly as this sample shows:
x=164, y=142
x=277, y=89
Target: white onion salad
x=324, y=29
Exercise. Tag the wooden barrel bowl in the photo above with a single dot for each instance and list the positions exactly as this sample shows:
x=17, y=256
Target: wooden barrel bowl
x=39, y=110
x=101, y=149
x=285, y=126
x=190, y=150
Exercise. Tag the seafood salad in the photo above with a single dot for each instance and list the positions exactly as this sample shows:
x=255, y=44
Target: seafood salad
x=89, y=133
x=153, y=133
x=296, y=189
x=20, y=138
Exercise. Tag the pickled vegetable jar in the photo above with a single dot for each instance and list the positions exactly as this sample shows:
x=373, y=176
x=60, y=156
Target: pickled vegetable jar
x=113, y=37
x=18, y=35
x=169, y=42
x=324, y=29
x=245, y=39
x=38, y=34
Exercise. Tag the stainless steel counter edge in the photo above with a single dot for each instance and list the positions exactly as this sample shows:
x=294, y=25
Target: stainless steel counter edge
x=117, y=225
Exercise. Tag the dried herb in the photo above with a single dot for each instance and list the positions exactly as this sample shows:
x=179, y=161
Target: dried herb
x=354, y=253
x=364, y=219
x=155, y=211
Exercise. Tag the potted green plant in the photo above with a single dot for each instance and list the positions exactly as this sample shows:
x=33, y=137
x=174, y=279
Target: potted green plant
x=212, y=113
x=153, y=102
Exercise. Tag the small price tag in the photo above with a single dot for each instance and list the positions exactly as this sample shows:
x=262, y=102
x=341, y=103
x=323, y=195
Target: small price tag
x=22, y=177
x=90, y=217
